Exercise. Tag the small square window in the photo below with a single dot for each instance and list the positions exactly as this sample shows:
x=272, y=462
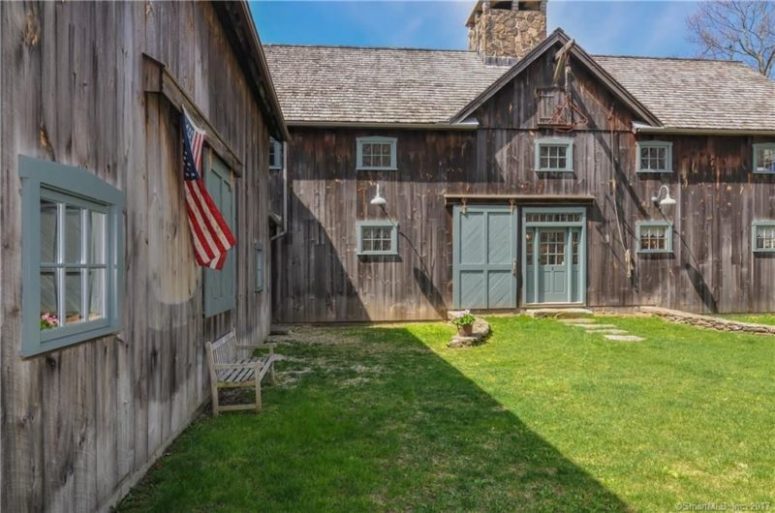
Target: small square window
x=554, y=155
x=377, y=238
x=764, y=236
x=275, y=154
x=655, y=157
x=73, y=244
x=376, y=153
x=655, y=237
x=764, y=158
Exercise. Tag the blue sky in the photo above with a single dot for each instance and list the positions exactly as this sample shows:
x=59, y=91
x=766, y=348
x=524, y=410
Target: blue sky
x=620, y=28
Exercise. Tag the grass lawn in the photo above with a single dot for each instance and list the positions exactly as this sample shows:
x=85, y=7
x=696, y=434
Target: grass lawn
x=756, y=318
x=543, y=418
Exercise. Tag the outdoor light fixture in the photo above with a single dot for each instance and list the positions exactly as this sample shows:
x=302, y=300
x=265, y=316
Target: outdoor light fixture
x=379, y=201
x=667, y=201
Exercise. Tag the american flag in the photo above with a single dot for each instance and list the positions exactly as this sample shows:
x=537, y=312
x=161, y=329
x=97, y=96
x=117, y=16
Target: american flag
x=211, y=234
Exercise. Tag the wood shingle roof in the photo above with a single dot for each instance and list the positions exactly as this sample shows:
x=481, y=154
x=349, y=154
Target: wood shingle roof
x=411, y=86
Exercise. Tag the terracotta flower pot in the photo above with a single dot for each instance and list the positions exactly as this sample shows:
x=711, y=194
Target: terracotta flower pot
x=466, y=330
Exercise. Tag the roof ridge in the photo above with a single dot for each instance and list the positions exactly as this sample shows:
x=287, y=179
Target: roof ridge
x=355, y=47
x=656, y=58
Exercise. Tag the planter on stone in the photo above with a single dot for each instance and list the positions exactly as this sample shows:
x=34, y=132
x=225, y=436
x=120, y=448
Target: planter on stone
x=465, y=330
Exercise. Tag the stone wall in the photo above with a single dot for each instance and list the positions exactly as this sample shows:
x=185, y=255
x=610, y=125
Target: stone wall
x=500, y=34
x=707, y=321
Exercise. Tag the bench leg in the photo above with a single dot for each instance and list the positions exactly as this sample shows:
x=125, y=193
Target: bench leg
x=215, y=401
x=258, y=394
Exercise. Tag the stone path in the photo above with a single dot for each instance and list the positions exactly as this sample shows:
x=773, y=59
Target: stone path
x=609, y=331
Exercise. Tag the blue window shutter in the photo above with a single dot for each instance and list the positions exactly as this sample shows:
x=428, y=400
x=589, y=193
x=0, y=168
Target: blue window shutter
x=220, y=286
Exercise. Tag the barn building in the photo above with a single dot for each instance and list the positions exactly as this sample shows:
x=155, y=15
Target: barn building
x=523, y=172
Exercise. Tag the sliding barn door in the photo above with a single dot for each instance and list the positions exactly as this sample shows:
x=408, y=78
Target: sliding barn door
x=484, y=257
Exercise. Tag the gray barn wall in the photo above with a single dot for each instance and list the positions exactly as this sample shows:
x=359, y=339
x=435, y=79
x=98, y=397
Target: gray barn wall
x=319, y=277
x=80, y=424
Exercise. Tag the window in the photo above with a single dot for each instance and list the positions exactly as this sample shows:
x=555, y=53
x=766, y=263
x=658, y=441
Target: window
x=655, y=237
x=764, y=158
x=764, y=236
x=219, y=286
x=554, y=154
x=655, y=157
x=275, y=154
x=548, y=99
x=72, y=256
x=260, y=265
x=376, y=153
x=377, y=237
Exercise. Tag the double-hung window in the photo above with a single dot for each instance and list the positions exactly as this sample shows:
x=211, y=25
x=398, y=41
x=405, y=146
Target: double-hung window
x=554, y=154
x=220, y=285
x=376, y=237
x=655, y=157
x=655, y=237
x=376, y=154
x=72, y=244
x=764, y=158
x=275, y=154
x=764, y=236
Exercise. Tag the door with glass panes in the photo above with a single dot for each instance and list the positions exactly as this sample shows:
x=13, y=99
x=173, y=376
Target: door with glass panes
x=554, y=255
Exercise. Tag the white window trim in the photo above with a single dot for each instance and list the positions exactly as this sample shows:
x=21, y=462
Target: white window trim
x=42, y=176
x=668, y=226
x=392, y=141
x=553, y=141
x=755, y=164
x=279, y=153
x=667, y=145
x=376, y=223
x=761, y=223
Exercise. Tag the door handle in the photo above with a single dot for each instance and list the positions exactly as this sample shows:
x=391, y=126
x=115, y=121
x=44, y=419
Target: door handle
x=514, y=267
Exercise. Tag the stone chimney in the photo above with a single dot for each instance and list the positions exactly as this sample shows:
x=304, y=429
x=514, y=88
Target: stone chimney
x=505, y=31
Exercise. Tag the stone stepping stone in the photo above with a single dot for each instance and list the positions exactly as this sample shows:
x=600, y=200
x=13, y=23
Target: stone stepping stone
x=597, y=326
x=625, y=338
x=609, y=331
x=577, y=321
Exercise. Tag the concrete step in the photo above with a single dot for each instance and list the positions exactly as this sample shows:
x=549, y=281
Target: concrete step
x=559, y=313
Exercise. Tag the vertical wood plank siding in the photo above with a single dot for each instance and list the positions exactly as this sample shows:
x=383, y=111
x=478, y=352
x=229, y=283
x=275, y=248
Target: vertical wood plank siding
x=319, y=278
x=80, y=423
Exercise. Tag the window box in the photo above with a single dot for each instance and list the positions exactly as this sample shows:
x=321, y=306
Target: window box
x=376, y=154
x=377, y=238
x=73, y=248
x=654, y=237
x=654, y=157
x=763, y=233
x=554, y=154
x=764, y=158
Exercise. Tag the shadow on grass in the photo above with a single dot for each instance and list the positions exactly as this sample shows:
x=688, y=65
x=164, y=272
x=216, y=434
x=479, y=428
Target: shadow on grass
x=371, y=420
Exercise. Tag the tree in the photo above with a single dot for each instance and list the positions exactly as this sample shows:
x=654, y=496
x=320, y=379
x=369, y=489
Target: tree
x=734, y=29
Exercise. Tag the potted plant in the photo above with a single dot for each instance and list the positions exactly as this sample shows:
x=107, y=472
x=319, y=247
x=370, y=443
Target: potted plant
x=464, y=323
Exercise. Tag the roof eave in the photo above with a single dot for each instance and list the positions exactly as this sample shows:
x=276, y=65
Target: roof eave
x=647, y=129
x=468, y=124
x=239, y=27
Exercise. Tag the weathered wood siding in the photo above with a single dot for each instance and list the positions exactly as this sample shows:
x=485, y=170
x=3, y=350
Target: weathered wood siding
x=79, y=424
x=320, y=278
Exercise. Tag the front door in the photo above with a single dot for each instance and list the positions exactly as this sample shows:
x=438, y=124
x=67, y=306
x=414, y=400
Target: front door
x=554, y=255
x=484, y=257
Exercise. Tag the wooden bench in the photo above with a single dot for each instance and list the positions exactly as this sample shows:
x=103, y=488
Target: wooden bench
x=229, y=370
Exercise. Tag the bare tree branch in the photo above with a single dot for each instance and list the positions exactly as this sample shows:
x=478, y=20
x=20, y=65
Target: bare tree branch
x=736, y=29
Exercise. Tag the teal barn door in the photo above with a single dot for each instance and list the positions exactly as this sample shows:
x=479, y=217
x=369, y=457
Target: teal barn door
x=484, y=256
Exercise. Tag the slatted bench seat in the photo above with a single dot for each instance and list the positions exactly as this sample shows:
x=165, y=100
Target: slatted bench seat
x=228, y=370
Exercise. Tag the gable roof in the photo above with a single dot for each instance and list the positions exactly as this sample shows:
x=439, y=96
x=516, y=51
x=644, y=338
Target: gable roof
x=698, y=94
x=376, y=85
x=558, y=37
x=331, y=85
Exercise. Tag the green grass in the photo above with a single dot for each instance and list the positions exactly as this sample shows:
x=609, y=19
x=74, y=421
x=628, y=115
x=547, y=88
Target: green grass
x=543, y=418
x=755, y=318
